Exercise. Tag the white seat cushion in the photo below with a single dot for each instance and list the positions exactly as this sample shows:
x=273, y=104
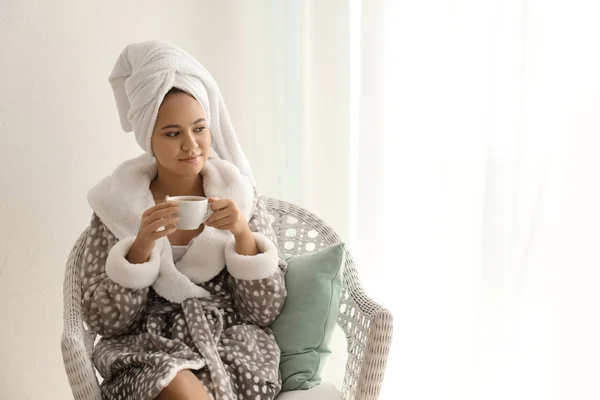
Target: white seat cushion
x=323, y=391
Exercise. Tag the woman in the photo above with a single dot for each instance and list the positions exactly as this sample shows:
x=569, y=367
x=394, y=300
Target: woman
x=182, y=314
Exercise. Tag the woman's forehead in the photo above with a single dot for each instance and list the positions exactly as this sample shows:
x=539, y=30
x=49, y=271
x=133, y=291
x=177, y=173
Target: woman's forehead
x=181, y=105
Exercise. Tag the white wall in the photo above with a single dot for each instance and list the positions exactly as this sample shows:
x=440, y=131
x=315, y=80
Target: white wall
x=60, y=134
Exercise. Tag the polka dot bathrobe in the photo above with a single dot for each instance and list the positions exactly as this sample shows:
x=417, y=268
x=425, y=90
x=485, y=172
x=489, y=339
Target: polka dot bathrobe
x=154, y=323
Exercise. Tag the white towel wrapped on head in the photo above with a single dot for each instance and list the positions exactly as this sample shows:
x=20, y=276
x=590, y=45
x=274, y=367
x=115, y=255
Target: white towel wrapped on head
x=142, y=76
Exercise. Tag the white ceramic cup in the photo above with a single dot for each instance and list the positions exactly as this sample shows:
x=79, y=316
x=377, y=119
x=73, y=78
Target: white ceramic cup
x=193, y=211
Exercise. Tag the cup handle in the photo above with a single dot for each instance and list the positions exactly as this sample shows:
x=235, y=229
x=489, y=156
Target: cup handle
x=209, y=212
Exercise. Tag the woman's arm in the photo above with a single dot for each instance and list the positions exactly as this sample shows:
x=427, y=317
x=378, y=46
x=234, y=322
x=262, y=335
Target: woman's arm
x=110, y=308
x=245, y=244
x=257, y=273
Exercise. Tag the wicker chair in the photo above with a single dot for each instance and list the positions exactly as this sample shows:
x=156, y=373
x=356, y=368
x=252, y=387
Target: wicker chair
x=367, y=325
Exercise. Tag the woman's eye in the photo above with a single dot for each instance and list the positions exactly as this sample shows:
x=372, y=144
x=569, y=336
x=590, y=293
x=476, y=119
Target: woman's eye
x=173, y=134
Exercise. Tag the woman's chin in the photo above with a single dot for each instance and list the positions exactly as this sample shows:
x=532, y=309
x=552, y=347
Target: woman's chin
x=190, y=169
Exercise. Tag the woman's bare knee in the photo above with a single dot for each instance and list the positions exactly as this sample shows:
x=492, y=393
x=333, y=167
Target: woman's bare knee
x=184, y=386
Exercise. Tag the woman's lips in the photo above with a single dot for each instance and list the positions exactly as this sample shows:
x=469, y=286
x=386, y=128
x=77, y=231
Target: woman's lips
x=191, y=160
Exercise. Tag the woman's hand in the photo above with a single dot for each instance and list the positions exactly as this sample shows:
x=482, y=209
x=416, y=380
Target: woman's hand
x=160, y=215
x=227, y=217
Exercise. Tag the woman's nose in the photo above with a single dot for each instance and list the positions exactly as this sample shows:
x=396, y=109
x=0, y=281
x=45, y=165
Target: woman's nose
x=189, y=141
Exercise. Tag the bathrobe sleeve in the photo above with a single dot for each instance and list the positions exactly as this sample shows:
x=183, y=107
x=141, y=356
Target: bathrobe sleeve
x=258, y=282
x=114, y=291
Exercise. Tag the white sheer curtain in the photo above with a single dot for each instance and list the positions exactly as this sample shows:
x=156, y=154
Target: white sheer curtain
x=437, y=138
x=457, y=193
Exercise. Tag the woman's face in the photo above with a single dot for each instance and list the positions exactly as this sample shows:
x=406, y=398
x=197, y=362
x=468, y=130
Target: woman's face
x=181, y=132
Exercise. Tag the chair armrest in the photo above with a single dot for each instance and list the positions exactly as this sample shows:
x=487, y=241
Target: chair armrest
x=368, y=328
x=77, y=342
x=79, y=368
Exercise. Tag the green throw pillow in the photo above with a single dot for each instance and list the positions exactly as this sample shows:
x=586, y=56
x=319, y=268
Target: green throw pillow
x=304, y=328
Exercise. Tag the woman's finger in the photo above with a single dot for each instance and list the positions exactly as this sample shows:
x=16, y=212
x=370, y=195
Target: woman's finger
x=158, y=207
x=219, y=215
x=221, y=204
x=162, y=222
x=225, y=223
x=165, y=213
x=166, y=232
